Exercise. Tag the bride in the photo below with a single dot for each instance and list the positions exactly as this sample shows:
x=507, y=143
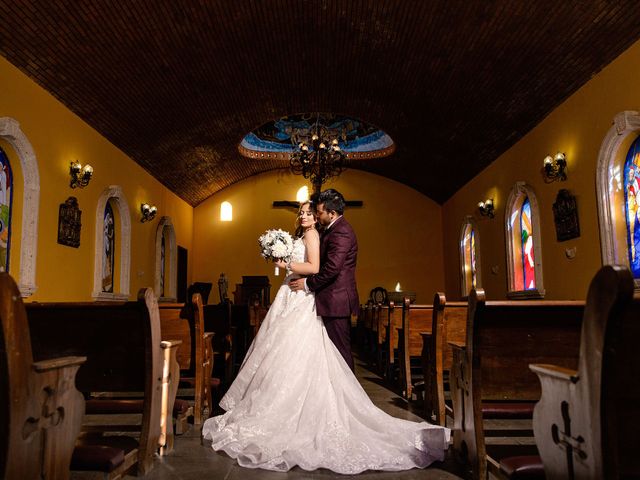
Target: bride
x=296, y=402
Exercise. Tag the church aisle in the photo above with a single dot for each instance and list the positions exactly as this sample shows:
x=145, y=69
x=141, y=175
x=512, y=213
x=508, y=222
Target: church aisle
x=191, y=460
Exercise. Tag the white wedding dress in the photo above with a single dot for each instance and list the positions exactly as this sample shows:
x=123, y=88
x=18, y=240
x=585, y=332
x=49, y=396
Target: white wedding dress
x=296, y=402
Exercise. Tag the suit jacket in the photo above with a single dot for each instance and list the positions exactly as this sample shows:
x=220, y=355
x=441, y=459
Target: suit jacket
x=335, y=284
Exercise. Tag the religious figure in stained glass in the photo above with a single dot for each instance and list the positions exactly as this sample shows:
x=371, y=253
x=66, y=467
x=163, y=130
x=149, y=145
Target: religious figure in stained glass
x=108, y=252
x=528, y=264
x=162, y=260
x=521, y=226
x=473, y=259
x=469, y=258
x=632, y=206
x=6, y=184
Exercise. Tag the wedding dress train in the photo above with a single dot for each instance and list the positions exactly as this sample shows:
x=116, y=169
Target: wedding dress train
x=296, y=402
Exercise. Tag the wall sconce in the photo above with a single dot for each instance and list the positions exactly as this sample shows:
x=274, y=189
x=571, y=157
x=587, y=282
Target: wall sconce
x=226, y=212
x=554, y=168
x=148, y=212
x=80, y=175
x=486, y=208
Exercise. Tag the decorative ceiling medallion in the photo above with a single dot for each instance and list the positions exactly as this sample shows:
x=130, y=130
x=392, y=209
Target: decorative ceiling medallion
x=279, y=138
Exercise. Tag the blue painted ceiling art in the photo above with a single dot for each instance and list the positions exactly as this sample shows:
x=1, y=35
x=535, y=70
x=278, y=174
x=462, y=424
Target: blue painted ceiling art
x=278, y=138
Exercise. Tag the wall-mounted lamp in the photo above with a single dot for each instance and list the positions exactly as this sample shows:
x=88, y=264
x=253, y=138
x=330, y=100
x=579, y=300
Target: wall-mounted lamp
x=486, y=208
x=554, y=168
x=226, y=212
x=148, y=212
x=80, y=175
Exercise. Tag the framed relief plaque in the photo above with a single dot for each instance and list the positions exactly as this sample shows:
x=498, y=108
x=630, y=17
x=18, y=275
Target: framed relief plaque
x=69, y=223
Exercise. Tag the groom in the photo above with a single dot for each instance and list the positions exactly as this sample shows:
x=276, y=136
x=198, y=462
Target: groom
x=335, y=284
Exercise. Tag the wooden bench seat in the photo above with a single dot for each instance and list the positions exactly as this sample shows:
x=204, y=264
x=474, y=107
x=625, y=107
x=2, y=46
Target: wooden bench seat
x=392, y=325
x=123, y=348
x=221, y=321
x=194, y=357
x=40, y=409
x=490, y=370
x=416, y=319
x=449, y=323
x=586, y=422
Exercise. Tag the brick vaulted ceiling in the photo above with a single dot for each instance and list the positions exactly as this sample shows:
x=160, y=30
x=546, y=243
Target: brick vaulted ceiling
x=176, y=84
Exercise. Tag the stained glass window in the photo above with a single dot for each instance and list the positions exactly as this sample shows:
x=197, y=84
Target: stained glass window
x=162, y=262
x=6, y=189
x=522, y=238
x=469, y=259
x=632, y=206
x=108, y=254
x=469, y=264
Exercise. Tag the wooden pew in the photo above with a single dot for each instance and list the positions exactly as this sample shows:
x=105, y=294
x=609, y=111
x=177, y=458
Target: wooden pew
x=392, y=326
x=415, y=320
x=586, y=422
x=218, y=319
x=257, y=313
x=491, y=376
x=382, y=320
x=123, y=348
x=40, y=409
x=449, y=323
x=195, y=357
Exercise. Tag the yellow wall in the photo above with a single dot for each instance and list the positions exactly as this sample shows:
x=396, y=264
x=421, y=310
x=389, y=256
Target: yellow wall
x=577, y=127
x=398, y=230
x=58, y=137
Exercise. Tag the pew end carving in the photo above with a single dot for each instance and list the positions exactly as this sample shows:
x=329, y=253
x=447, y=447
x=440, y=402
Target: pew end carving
x=587, y=419
x=490, y=375
x=41, y=409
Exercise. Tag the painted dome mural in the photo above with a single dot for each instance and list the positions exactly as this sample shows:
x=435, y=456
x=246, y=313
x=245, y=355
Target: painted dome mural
x=278, y=138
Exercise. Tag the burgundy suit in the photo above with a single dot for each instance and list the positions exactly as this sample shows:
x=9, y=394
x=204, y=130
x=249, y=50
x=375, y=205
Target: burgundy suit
x=335, y=284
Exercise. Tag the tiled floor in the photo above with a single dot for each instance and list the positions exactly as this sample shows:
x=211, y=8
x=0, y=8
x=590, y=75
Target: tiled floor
x=191, y=460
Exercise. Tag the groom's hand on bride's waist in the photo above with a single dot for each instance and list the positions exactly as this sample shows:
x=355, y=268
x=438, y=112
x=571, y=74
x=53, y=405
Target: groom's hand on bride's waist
x=297, y=284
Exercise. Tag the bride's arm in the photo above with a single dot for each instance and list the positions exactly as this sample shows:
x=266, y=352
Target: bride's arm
x=312, y=265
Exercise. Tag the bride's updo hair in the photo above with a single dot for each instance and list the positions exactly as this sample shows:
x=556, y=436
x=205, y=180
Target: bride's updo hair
x=299, y=229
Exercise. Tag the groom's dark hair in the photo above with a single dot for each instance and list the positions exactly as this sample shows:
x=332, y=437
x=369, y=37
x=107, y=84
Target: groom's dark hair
x=332, y=200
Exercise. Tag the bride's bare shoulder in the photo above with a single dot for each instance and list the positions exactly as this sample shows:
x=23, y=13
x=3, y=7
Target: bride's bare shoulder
x=311, y=235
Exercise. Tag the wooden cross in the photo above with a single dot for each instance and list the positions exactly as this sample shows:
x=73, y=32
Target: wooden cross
x=564, y=439
x=463, y=386
x=49, y=418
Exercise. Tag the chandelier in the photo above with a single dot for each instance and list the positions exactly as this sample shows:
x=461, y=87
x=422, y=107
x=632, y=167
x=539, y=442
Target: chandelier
x=317, y=156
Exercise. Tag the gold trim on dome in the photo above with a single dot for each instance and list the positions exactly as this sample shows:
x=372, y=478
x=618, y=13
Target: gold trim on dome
x=385, y=152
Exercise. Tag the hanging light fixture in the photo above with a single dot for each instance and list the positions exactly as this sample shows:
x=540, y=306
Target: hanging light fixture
x=318, y=155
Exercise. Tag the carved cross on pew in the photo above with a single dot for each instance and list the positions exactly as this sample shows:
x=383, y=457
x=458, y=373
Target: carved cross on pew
x=571, y=445
x=50, y=417
x=463, y=386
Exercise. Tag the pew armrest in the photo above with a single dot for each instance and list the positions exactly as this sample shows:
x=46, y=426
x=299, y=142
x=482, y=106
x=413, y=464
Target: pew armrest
x=426, y=336
x=57, y=363
x=555, y=371
x=459, y=346
x=170, y=343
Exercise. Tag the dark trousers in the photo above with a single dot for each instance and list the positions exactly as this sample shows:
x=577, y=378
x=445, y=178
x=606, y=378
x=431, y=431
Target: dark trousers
x=339, y=330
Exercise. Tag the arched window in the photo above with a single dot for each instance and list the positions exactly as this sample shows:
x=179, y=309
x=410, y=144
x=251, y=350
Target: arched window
x=632, y=206
x=6, y=196
x=112, y=261
x=617, y=179
x=522, y=228
x=469, y=256
x=27, y=242
x=108, y=249
x=166, y=276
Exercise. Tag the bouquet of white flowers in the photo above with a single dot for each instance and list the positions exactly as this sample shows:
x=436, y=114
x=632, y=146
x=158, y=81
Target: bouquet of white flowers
x=276, y=244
